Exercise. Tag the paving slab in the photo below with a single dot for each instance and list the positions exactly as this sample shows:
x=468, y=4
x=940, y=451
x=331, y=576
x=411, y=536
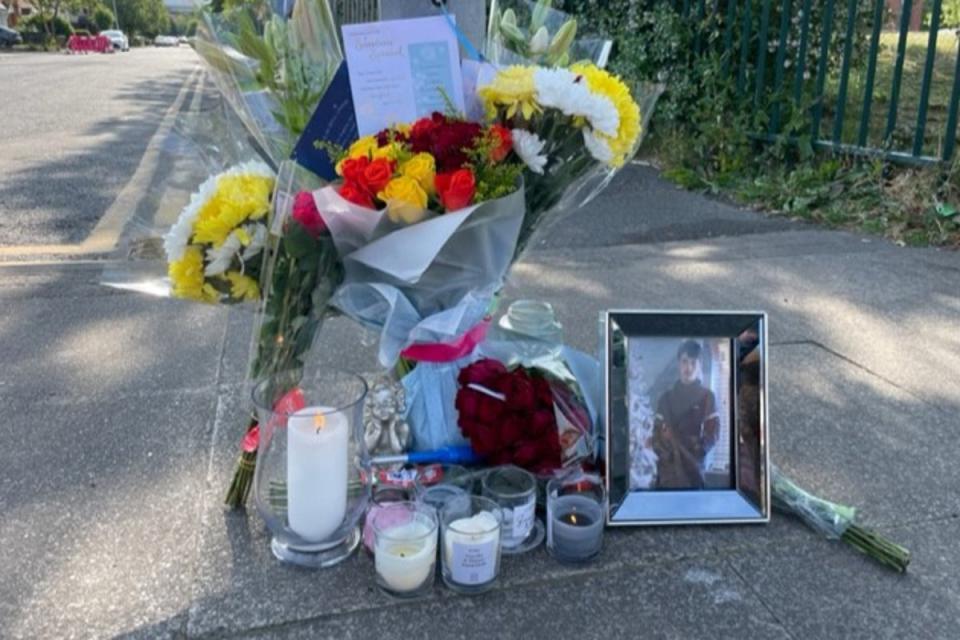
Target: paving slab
x=104, y=345
x=690, y=599
x=818, y=589
x=99, y=503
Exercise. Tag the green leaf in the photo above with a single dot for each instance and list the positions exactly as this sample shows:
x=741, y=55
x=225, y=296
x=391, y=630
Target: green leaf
x=298, y=243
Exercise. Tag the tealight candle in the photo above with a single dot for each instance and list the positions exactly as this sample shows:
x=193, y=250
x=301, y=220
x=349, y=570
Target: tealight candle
x=405, y=548
x=575, y=518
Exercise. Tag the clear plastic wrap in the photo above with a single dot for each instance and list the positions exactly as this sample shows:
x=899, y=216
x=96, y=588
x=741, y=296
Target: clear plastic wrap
x=828, y=518
x=428, y=282
x=272, y=69
x=530, y=32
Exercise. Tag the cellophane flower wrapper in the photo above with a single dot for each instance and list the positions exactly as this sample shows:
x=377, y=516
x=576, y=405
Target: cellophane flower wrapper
x=272, y=69
x=203, y=145
x=539, y=34
x=427, y=282
x=827, y=518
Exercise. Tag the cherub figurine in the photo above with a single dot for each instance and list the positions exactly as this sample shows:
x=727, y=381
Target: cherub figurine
x=384, y=429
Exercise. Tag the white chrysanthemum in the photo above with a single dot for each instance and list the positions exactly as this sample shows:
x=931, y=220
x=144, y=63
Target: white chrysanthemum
x=597, y=146
x=220, y=258
x=258, y=238
x=529, y=147
x=564, y=90
x=178, y=237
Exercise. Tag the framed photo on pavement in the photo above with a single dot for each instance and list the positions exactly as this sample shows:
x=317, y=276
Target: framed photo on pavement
x=686, y=437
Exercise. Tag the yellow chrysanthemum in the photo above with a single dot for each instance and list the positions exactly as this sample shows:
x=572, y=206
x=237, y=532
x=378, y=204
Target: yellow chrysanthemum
x=614, y=89
x=423, y=168
x=242, y=288
x=513, y=89
x=186, y=276
x=238, y=198
x=363, y=147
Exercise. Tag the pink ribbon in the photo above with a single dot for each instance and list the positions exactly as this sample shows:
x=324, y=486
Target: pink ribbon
x=449, y=351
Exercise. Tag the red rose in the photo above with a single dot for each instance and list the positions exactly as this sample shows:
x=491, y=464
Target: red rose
x=377, y=174
x=542, y=422
x=456, y=189
x=512, y=429
x=356, y=194
x=519, y=391
x=544, y=393
x=306, y=213
x=482, y=372
x=421, y=135
x=451, y=142
x=352, y=169
x=386, y=136
x=485, y=441
x=504, y=142
x=526, y=454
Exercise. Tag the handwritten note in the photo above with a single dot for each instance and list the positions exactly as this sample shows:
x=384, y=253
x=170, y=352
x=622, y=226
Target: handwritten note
x=401, y=70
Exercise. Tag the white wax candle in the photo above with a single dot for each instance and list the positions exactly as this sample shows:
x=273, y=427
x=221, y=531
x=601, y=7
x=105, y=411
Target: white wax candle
x=470, y=549
x=404, y=557
x=317, y=459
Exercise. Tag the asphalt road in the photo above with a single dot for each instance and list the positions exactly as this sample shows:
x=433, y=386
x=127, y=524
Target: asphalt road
x=74, y=129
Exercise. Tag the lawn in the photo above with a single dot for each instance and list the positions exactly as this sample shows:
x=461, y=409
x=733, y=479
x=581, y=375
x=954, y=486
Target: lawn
x=944, y=72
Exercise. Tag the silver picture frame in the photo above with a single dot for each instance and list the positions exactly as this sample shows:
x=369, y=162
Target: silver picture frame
x=743, y=494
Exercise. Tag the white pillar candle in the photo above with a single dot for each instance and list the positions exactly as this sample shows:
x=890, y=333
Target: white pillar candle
x=470, y=548
x=317, y=461
x=404, y=557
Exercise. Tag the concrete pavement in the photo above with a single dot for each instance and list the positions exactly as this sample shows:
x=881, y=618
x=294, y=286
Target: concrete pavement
x=124, y=412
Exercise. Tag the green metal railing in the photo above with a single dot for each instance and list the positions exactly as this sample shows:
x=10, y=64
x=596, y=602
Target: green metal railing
x=828, y=68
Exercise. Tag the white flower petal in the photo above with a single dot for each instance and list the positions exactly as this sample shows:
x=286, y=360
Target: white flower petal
x=562, y=89
x=529, y=147
x=178, y=237
x=597, y=146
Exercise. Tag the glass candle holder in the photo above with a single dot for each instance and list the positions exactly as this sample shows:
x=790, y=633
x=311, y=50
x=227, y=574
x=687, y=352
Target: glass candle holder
x=470, y=528
x=405, y=548
x=437, y=490
x=515, y=490
x=383, y=496
x=576, y=511
x=309, y=483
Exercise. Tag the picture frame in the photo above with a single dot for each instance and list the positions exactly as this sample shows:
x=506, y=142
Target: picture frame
x=685, y=417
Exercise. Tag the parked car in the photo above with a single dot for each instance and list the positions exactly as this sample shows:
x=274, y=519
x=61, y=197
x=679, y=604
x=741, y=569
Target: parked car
x=166, y=41
x=9, y=37
x=117, y=39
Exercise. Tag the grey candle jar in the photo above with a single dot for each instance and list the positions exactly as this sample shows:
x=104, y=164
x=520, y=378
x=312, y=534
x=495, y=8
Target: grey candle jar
x=576, y=508
x=515, y=490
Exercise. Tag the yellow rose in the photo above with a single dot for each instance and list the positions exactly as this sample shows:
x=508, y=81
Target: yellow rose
x=421, y=168
x=390, y=151
x=406, y=200
x=363, y=147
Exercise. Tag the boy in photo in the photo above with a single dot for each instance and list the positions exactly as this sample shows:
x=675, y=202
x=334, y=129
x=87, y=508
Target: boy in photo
x=686, y=425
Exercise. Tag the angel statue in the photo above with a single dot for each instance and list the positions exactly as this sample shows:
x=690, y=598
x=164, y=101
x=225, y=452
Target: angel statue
x=384, y=429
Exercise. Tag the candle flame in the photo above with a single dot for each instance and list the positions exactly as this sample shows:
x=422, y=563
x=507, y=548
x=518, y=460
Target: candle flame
x=573, y=518
x=319, y=421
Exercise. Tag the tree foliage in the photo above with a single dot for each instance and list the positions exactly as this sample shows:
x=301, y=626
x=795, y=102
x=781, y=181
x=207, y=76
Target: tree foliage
x=143, y=17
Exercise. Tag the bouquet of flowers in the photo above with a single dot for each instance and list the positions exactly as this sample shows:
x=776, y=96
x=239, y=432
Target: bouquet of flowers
x=533, y=32
x=835, y=521
x=214, y=249
x=522, y=416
